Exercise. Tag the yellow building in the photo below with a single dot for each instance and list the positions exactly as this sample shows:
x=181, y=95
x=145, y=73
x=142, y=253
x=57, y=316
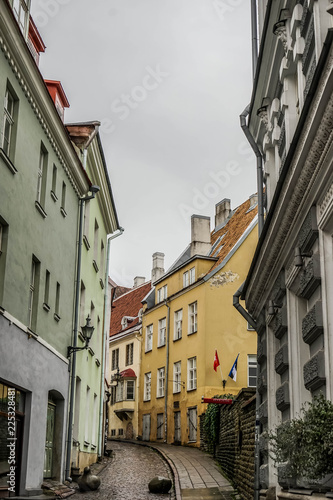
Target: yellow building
x=187, y=317
x=124, y=359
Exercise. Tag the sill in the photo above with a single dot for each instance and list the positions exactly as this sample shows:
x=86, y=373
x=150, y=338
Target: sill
x=179, y=338
x=177, y=392
x=101, y=282
x=63, y=212
x=192, y=441
x=56, y=317
x=81, y=337
x=95, y=266
x=191, y=333
x=148, y=350
x=7, y=161
x=190, y=390
x=53, y=196
x=146, y=400
x=86, y=242
x=46, y=307
x=40, y=209
x=162, y=345
x=85, y=443
x=91, y=352
x=97, y=361
x=160, y=397
x=93, y=446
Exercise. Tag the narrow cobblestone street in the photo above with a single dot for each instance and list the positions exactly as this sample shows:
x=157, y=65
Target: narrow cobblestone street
x=128, y=473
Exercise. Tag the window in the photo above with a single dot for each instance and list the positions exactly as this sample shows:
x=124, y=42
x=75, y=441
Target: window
x=191, y=374
x=192, y=275
x=160, y=421
x=113, y=432
x=120, y=391
x=161, y=332
x=192, y=318
x=20, y=9
x=252, y=370
x=178, y=324
x=86, y=220
x=113, y=395
x=57, y=303
x=96, y=240
x=47, y=288
x=94, y=419
x=120, y=432
x=129, y=354
x=176, y=377
x=87, y=419
x=162, y=293
x=189, y=277
x=63, y=200
x=147, y=387
x=149, y=338
x=54, y=183
x=33, y=293
x=8, y=125
x=130, y=390
x=102, y=255
x=82, y=304
x=115, y=359
x=41, y=178
x=160, y=382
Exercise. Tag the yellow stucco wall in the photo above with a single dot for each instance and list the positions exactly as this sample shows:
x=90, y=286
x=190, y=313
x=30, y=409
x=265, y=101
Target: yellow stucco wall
x=220, y=327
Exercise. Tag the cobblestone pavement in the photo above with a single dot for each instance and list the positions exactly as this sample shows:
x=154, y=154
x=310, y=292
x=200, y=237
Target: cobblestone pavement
x=127, y=474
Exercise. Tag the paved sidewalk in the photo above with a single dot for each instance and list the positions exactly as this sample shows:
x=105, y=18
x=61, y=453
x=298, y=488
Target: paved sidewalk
x=196, y=474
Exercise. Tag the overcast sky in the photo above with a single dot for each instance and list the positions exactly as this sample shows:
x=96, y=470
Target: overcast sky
x=168, y=80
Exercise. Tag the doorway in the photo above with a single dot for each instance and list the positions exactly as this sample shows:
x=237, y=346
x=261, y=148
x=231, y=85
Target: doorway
x=177, y=436
x=146, y=427
x=192, y=424
x=49, y=441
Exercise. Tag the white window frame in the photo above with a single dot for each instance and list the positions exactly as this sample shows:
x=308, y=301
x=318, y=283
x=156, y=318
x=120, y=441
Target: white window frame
x=192, y=275
x=251, y=363
x=178, y=328
x=147, y=387
x=128, y=384
x=9, y=120
x=192, y=373
x=162, y=293
x=160, y=382
x=149, y=338
x=161, y=332
x=115, y=359
x=186, y=279
x=129, y=353
x=177, y=374
x=192, y=318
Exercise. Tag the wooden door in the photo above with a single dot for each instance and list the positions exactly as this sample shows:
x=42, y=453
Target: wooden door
x=49, y=442
x=146, y=427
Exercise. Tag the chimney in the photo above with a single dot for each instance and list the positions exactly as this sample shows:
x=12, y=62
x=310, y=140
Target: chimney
x=158, y=266
x=222, y=211
x=253, y=200
x=139, y=280
x=200, y=235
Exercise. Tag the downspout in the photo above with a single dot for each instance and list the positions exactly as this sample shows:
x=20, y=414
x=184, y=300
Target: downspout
x=105, y=338
x=166, y=376
x=94, y=190
x=254, y=34
x=240, y=308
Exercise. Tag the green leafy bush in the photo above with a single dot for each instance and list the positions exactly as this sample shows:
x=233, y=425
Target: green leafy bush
x=211, y=421
x=306, y=443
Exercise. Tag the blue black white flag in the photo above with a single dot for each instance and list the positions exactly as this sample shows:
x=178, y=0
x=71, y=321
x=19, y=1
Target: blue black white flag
x=233, y=371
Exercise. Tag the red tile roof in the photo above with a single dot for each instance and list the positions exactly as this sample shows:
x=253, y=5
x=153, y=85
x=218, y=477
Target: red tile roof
x=128, y=304
x=233, y=230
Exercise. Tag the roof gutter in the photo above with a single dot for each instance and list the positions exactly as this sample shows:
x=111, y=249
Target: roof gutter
x=240, y=308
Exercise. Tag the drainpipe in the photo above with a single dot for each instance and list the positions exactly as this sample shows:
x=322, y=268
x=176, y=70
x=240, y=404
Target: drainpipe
x=105, y=339
x=166, y=376
x=256, y=151
x=93, y=190
x=241, y=309
x=254, y=34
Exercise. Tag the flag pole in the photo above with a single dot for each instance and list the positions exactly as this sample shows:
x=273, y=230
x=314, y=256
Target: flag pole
x=223, y=381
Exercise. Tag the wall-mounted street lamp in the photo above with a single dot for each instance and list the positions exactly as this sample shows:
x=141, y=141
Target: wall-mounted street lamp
x=116, y=377
x=87, y=331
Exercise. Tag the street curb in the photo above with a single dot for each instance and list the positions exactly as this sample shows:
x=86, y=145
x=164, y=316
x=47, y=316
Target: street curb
x=178, y=495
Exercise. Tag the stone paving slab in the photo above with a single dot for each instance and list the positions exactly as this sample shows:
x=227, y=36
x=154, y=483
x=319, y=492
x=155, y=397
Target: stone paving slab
x=202, y=494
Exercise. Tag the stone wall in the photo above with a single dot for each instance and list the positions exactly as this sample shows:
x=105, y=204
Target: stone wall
x=235, y=449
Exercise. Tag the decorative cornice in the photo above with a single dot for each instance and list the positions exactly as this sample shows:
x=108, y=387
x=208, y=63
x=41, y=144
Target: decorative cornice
x=36, y=109
x=284, y=221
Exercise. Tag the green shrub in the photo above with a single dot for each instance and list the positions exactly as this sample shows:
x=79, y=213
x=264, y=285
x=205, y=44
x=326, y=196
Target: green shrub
x=306, y=443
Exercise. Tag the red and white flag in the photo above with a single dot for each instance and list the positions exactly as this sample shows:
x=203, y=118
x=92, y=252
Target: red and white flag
x=216, y=361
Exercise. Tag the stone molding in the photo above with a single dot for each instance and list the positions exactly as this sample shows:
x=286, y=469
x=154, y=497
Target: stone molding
x=312, y=323
x=283, y=221
x=37, y=111
x=282, y=397
x=314, y=371
x=263, y=412
x=280, y=322
x=310, y=277
x=282, y=360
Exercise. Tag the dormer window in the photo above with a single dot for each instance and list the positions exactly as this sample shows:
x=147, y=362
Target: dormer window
x=162, y=293
x=21, y=13
x=124, y=323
